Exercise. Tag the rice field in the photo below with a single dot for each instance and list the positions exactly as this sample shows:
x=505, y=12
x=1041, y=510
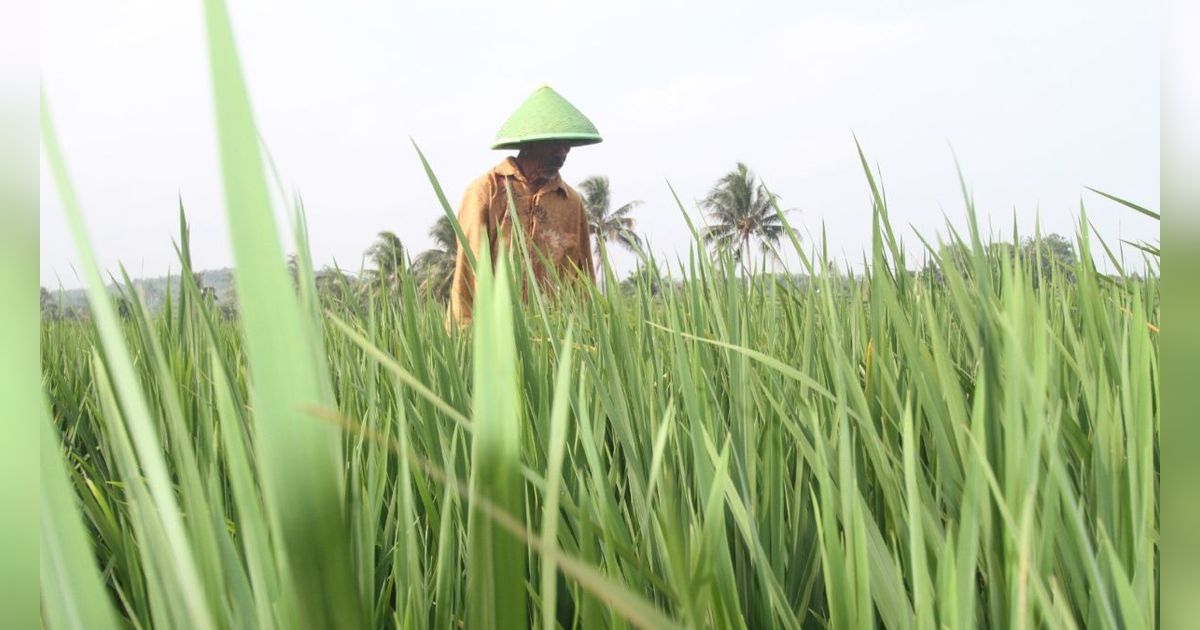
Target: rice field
x=825, y=450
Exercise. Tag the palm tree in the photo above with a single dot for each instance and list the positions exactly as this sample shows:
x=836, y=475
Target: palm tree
x=293, y=265
x=206, y=292
x=387, y=254
x=741, y=208
x=647, y=273
x=603, y=225
x=124, y=306
x=435, y=267
x=333, y=285
x=1047, y=252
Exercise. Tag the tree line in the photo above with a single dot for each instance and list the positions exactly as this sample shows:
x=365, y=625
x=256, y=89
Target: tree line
x=742, y=218
x=739, y=209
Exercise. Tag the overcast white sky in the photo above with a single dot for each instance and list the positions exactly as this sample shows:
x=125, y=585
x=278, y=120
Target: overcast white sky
x=1038, y=99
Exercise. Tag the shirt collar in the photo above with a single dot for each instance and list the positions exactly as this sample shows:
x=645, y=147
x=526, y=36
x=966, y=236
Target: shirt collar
x=508, y=168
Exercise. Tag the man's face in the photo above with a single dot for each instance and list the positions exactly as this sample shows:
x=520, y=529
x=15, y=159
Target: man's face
x=548, y=156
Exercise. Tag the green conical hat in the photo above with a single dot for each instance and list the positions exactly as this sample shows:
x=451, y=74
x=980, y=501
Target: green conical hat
x=546, y=116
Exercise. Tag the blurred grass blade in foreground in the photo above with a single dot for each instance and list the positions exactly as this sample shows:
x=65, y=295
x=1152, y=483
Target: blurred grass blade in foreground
x=496, y=572
x=298, y=456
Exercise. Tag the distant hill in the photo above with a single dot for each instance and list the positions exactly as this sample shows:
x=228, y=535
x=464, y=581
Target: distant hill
x=152, y=290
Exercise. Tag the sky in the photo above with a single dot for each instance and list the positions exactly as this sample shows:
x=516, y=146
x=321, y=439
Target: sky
x=1035, y=101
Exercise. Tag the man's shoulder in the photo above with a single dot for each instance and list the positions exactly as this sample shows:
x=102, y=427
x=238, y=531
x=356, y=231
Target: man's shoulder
x=488, y=179
x=573, y=195
x=483, y=183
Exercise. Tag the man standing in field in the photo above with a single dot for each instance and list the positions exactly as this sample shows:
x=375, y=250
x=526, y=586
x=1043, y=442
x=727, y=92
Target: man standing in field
x=543, y=130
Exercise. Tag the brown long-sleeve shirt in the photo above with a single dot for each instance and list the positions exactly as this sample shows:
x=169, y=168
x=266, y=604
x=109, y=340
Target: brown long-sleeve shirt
x=553, y=218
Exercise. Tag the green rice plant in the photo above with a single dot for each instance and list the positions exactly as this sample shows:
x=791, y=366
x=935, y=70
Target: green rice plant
x=714, y=449
x=839, y=451
x=496, y=573
x=300, y=461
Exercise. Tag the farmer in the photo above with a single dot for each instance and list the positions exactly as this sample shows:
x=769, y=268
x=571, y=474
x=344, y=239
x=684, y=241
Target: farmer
x=543, y=130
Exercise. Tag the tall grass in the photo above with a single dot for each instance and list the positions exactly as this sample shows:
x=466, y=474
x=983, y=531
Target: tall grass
x=850, y=451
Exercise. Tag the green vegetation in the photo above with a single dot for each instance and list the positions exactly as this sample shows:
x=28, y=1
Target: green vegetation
x=435, y=267
x=606, y=224
x=73, y=303
x=740, y=209
x=887, y=448
x=851, y=451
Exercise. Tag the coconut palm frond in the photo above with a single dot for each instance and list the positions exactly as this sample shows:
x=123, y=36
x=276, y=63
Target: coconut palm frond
x=624, y=210
x=740, y=209
x=603, y=224
x=443, y=235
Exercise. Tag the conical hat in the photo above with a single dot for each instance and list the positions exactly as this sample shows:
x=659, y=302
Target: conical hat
x=546, y=116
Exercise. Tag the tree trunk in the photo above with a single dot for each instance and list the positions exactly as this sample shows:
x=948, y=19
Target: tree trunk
x=746, y=256
x=601, y=250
